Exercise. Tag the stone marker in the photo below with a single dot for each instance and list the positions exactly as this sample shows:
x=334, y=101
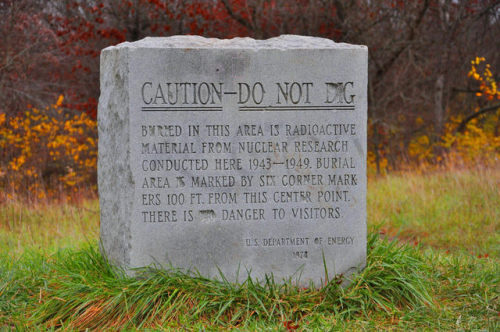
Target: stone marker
x=234, y=155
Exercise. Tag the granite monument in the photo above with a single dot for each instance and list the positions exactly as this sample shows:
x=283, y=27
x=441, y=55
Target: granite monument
x=236, y=156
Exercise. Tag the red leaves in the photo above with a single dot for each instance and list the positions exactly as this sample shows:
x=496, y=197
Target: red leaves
x=89, y=107
x=158, y=4
x=113, y=34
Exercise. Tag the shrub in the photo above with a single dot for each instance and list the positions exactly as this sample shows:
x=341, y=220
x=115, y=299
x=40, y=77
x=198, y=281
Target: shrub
x=44, y=153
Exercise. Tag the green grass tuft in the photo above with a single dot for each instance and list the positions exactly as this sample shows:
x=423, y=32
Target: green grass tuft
x=78, y=289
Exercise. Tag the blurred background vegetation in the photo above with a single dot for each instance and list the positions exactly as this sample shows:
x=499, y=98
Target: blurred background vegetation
x=433, y=73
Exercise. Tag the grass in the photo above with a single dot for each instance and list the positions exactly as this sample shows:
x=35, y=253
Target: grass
x=455, y=211
x=432, y=264
x=47, y=228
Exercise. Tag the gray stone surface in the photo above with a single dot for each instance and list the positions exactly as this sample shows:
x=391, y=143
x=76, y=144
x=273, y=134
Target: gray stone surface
x=235, y=156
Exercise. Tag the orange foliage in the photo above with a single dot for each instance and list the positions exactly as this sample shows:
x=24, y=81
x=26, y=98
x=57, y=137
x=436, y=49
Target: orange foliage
x=487, y=83
x=477, y=145
x=47, y=152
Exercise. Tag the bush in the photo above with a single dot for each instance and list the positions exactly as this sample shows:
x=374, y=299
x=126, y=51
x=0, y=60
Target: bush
x=47, y=152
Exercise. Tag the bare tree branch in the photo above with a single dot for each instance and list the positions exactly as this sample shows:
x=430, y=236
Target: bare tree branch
x=482, y=111
x=411, y=36
x=235, y=16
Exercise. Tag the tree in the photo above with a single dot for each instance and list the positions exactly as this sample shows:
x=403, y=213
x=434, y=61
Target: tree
x=419, y=51
x=29, y=65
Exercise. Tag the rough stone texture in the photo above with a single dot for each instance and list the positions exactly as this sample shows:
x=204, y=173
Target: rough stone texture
x=131, y=103
x=284, y=42
x=116, y=185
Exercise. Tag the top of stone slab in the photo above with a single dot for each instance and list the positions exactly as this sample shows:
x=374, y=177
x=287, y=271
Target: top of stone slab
x=198, y=42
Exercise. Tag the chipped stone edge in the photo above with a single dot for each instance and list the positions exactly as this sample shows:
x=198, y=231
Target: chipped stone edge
x=115, y=182
x=283, y=42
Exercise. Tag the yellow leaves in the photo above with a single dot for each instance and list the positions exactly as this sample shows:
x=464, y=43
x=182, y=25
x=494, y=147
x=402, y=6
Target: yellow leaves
x=477, y=145
x=487, y=85
x=32, y=172
x=423, y=140
x=51, y=142
x=91, y=141
x=71, y=178
x=420, y=148
x=59, y=101
x=16, y=163
x=478, y=60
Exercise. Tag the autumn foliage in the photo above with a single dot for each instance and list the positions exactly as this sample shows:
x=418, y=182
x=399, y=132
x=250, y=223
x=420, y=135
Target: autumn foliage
x=46, y=153
x=466, y=141
x=429, y=106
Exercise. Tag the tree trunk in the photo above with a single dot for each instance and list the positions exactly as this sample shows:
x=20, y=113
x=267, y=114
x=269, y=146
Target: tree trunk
x=438, y=107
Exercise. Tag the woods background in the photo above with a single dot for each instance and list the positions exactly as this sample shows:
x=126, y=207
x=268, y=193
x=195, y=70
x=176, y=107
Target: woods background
x=433, y=97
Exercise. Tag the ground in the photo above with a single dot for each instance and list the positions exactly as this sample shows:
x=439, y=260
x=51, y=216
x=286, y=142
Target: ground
x=433, y=263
